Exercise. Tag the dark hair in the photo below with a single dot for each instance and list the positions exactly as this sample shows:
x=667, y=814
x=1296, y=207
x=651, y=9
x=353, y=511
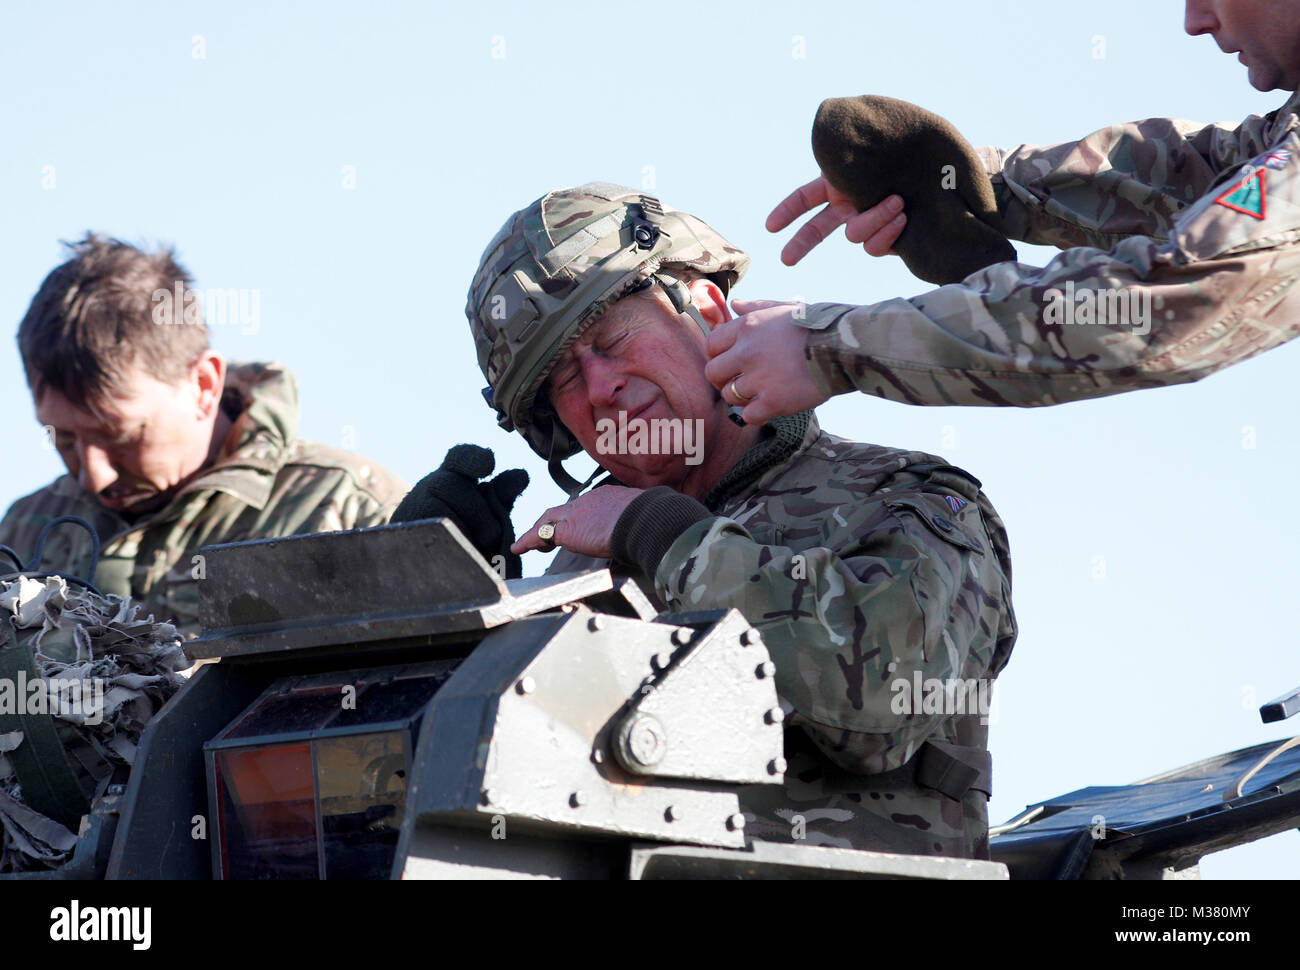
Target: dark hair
x=101, y=313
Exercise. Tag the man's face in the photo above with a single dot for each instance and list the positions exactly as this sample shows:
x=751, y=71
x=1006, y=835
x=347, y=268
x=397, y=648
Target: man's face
x=644, y=360
x=1264, y=33
x=149, y=439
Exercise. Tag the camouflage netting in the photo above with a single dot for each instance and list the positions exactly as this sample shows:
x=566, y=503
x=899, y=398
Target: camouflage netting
x=107, y=671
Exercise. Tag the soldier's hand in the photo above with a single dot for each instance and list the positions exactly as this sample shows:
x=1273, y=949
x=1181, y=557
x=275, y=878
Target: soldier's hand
x=877, y=228
x=481, y=510
x=584, y=525
x=758, y=361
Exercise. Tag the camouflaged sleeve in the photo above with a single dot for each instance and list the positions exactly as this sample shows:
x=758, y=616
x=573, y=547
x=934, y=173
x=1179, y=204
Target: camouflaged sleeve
x=1209, y=284
x=1123, y=180
x=904, y=590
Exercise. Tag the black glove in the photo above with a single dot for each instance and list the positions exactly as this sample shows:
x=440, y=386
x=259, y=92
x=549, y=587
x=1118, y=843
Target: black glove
x=481, y=510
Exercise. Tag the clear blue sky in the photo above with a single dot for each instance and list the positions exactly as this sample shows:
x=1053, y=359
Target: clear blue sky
x=1155, y=553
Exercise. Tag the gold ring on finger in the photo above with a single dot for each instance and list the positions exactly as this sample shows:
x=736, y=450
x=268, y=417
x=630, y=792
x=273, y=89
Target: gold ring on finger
x=740, y=398
x=546, y=532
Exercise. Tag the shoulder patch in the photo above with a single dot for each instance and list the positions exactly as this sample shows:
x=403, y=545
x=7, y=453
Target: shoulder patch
x=1247, y=196
x=954, y=502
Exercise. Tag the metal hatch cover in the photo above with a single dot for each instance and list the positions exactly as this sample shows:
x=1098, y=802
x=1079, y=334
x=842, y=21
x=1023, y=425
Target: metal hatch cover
x=390, y=582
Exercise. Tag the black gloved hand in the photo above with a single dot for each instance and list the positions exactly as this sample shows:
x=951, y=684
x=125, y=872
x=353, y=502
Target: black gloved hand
x=481, y=510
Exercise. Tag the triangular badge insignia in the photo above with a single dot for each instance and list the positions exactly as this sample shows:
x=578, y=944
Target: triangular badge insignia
x=1247, y=196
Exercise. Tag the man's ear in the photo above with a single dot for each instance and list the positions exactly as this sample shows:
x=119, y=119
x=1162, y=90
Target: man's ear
x=709, y=299
x=209, y=376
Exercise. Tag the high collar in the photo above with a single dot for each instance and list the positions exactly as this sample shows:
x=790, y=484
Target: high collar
x=782, y=438
x=262, y=400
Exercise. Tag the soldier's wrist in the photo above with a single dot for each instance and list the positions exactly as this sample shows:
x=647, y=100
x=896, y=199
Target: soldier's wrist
x=651, y=524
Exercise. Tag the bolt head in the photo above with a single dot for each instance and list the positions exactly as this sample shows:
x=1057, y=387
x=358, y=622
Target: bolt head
x=673, y=814
x=774, y=716
x=765, y=669
x=525, y=685
x=735, y=822
x=646, y=741
x=660, y=660
x=776, y=766
x=578, y=799
x=489, y=796
x=595, y=623
x=746, y=638
x=681, y=636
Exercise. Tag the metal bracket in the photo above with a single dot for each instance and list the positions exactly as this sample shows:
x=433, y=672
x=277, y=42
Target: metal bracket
x=523, y=734
x=711, y=711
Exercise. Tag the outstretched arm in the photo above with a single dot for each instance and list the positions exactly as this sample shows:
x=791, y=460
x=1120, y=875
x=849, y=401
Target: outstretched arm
x=1213, y=286
x=1120, y=181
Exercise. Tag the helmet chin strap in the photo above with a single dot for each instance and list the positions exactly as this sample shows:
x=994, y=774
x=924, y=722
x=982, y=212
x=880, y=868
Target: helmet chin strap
x=572, y=487
x=680, y=295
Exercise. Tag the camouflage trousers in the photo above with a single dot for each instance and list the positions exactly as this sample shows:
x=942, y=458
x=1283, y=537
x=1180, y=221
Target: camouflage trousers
x=822, y=805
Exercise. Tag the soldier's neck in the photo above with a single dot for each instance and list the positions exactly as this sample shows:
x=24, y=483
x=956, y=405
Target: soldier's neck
x=721, y=450
x=220, y=432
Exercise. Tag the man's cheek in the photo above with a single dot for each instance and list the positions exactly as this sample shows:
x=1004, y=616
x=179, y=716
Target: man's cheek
x=70, y=461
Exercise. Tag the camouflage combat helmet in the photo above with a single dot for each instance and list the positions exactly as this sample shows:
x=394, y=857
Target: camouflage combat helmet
x=553, y=268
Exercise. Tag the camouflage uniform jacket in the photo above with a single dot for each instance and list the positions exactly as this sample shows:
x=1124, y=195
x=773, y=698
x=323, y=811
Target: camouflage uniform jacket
x=265, y=482
x=1182, y=251
x=873, y=575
